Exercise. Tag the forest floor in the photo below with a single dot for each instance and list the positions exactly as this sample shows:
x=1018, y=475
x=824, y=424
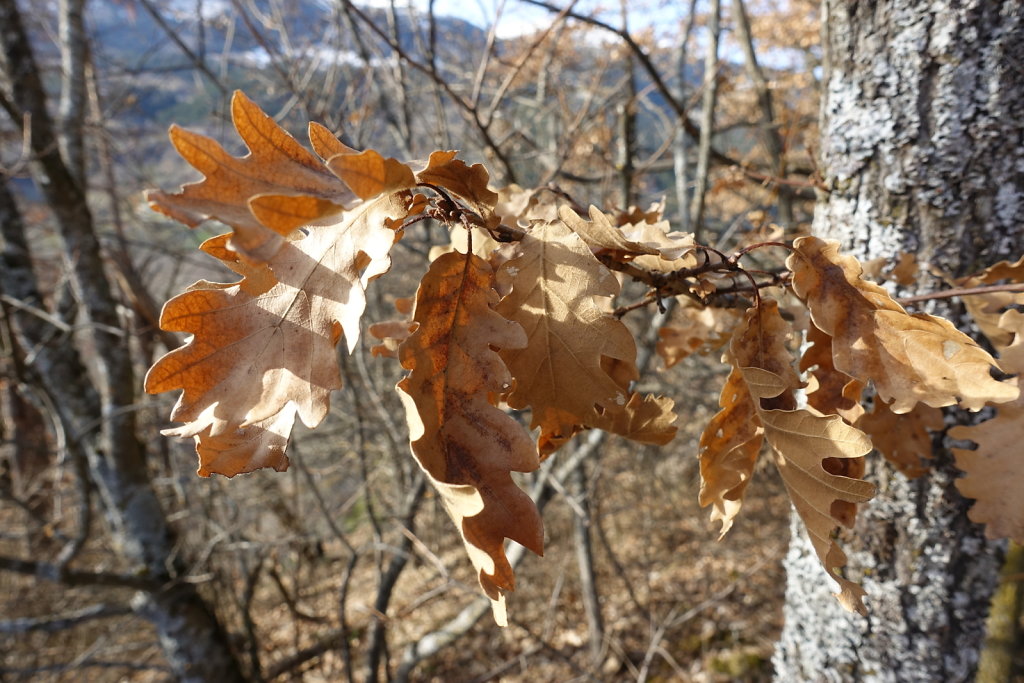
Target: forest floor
x=676, y=603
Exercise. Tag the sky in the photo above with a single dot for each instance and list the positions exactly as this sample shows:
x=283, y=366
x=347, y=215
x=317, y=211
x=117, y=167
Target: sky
x=518, y=18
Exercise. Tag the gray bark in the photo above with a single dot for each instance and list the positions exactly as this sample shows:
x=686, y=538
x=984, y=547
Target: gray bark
x=770, y=137
x=922, y=151
x=707, y=124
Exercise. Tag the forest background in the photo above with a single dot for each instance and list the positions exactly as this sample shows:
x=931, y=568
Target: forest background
x=346, y=566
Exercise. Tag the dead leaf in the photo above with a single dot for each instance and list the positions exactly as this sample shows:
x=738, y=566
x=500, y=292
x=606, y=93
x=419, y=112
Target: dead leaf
x=988, y=308
x=276, y=164
x=325, y=143
x=675, y=249
x=600, y=233
x=464, y=443
x=831, y=392
x=369, y=174
x=246, y=449
x=559, y=373
x=391, y=334
x=909, y=358
x=729, y=448
x=468, y=182
x=645, y=419
x=695, y=330
x=268, y=341
x=903, y=439
x=633, y=215
x=905, y=271
x=812, y=452
x=1011, y=356
x=995, y=471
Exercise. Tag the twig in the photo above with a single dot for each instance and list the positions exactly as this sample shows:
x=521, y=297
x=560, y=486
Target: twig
x=77, y=577
x=59, y=622
x=962, y=291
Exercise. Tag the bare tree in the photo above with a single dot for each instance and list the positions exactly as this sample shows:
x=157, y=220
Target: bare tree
x=93, y=393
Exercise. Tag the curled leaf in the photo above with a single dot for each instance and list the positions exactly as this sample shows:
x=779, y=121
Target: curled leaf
x=819, y=456
x=909, y=358
x=467, y=446
x=600, y=233
x=729, y=447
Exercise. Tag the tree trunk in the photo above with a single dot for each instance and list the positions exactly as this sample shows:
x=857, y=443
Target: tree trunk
x=96, y=408
x=922, y=151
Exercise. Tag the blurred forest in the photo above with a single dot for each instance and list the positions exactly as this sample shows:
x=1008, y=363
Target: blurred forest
x=117, y=562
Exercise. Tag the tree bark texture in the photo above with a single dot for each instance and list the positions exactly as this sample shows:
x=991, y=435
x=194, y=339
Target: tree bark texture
x=923, y=152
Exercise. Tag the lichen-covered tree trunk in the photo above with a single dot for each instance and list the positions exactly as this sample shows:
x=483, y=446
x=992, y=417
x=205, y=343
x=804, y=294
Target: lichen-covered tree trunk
x=923, y=151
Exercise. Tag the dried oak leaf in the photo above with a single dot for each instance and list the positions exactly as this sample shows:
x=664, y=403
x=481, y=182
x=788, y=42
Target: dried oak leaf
x=995, y=471
x=806, y=446
x=906, y=269
x=988, y=308
x=268, y=341
x=246, y=449
x=732, y=439
x=577, y=362
x=909, y=358
x=813, y=452
x=903, y=439
x=1011, y=356
x=369, y=174
x=634, y=214
x=517, y=206
x=831, y=392
x=325, y=143
x=600, y=233
x=468, y=182
x=695, y=330
x=729, y=447
x=464, y=443
x=644, y=418
x=276, y=164
x=391, y=334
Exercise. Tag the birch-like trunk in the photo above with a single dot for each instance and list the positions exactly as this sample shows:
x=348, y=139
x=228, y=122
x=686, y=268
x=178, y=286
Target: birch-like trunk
x=923, y=151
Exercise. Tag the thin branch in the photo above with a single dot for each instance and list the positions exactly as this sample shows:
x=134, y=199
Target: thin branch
x=77, y=577
x=60, y=622
x=962, y=291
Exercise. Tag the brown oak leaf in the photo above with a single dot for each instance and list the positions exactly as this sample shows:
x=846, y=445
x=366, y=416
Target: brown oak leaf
x=729, y=447
x=988, y=308
x=600, y=233
x=468, y=182
x=464, y=443
x=268, y=341
x=995, y=471
x=562, y=374
x=903, y=439
x=831, y=392
x=909, y=358
x=695, y=330
x=814, y=453
x=276, y=164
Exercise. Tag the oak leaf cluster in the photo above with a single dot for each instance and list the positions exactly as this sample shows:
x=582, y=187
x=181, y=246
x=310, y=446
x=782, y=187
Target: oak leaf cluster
x=516, y=316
